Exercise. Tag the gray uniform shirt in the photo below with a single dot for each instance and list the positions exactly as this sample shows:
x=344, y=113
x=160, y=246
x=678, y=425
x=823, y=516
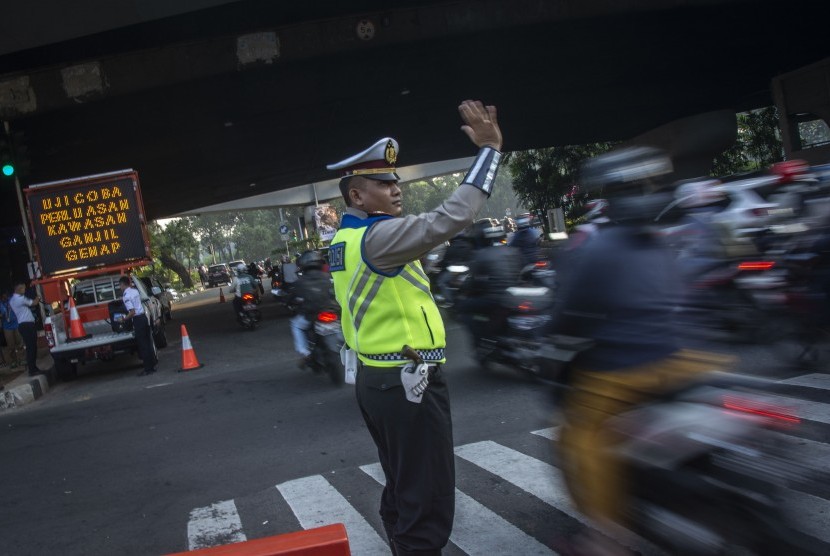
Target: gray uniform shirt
x=392, y=243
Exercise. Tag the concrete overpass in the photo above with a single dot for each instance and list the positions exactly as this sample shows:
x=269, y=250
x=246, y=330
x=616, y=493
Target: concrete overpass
x=214, y=100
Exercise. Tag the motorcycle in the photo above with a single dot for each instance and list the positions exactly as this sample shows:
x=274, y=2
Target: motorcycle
x=250, y=314
x=540, y=273
x=742, y=300
x=512, y=331
x=703, y=464
x=325, y=339
x=448, y=283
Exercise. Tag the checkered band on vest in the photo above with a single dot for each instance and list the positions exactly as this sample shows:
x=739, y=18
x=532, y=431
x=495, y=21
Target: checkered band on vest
x=432, y=355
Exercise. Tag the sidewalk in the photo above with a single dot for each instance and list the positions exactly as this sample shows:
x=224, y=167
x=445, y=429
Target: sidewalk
x=24, y=389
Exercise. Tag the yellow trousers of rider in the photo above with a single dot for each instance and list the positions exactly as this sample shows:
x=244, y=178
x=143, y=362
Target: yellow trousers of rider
x=595, y=480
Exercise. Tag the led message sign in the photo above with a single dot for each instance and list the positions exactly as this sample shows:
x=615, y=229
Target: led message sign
x=87, y=225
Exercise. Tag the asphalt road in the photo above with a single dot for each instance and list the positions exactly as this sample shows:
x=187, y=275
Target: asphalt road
x=113, y=463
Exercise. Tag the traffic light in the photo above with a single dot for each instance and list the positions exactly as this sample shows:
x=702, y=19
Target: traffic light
x=14, y=155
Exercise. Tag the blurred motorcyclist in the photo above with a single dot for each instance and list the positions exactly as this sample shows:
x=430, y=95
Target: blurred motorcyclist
x=595, y=214
x=458, y=253
x=242, y=283
x=526, y=239
x=620, y=289
x=256, y=272
x=493, y=269
x=698, y=239
x=311, y=293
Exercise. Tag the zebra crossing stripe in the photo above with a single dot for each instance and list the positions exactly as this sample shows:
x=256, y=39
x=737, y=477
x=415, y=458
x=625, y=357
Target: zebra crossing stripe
x=316, y=503
x=805, y=409
x=551, y=433
x=478, y=530
x=213, y=525
x=809, y=513
x=536, y=477
x=813, y=380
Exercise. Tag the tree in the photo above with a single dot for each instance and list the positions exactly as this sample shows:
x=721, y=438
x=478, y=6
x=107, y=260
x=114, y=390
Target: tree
x=425, y=195
x=174, y=242
x=215, y=231
x=758, y=144
x=547, y=178
x=256, y=233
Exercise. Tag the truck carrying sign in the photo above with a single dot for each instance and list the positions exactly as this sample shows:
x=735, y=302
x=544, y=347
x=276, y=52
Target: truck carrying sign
x=88, y=222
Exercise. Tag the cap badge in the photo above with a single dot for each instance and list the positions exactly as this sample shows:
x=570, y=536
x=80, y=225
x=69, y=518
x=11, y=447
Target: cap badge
x=390, y=154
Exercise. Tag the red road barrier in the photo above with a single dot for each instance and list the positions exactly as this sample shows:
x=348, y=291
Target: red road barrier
x=330, y=540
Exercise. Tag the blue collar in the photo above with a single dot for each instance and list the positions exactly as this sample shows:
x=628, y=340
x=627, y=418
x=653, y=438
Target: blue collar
x=353, y=221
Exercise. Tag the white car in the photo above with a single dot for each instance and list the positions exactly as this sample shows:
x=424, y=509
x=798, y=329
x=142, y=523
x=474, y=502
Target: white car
x=172, y=292
x=747, y=212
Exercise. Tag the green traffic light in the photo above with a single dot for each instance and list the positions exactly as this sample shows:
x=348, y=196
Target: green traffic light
x=8, y=169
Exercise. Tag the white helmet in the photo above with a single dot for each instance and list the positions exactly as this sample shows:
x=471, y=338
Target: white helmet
x=241, y=268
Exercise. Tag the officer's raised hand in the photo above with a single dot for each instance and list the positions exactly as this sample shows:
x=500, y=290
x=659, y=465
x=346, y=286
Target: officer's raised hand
x=480, y=124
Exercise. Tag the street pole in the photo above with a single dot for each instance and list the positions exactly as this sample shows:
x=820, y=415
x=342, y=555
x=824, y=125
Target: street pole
x=20, y=205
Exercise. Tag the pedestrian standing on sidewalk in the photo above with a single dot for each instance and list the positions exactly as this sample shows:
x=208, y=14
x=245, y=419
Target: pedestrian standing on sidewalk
x=12, y=342
x=22, y=307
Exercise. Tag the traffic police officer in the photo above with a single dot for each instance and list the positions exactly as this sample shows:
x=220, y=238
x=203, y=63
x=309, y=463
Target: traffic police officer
x=141, y=325
x=386, y=305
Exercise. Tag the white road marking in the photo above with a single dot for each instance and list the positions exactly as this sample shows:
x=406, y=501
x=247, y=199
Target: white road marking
x=814, y=380
x=316, y=503
x=214, y=525
x=536, y=477
x=477, y=530
x=808, y=513
x=551, y=433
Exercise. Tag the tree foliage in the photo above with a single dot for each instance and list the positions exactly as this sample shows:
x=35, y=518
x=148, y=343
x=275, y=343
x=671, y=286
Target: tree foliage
x=758, y=144
x=547, y=178
x=425, y=195
x=175, y=247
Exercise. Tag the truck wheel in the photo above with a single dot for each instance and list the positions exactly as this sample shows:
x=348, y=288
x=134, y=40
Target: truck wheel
x=65, y=369
x=160, y=337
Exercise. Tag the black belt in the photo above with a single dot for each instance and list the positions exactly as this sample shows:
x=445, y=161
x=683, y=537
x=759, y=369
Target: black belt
x=432, y=369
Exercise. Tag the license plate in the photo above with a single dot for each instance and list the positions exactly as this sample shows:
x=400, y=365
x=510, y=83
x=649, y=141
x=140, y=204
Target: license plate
x=249, y=307
x=325, y=328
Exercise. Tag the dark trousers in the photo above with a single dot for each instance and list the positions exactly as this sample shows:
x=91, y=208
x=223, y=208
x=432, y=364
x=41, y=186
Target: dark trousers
x=415, y=449
x=144, y=341
x=29, y=334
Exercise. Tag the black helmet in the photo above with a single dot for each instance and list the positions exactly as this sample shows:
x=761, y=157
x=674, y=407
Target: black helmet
x=628, y=179
x=310, y=260
x=487, y=231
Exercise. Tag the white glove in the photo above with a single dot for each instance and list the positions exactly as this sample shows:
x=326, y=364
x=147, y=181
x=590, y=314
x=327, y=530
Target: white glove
x=349, y=359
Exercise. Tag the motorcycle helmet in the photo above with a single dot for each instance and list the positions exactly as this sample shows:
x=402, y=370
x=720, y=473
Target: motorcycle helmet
x=524, y=221
x=487, y=231
x=310, y=260
x=241, y=268
x=629, y=179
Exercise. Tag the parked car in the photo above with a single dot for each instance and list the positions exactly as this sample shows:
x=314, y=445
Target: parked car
x=160, y=293
x=218, y=274
x=173, y=293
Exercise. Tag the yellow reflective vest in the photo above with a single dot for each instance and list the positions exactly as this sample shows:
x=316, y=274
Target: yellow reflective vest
x=382, y=312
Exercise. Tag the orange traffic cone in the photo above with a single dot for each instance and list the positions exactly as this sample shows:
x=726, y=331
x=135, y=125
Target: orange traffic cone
x=189, y=361
x=76, y=327
x=221, y=296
